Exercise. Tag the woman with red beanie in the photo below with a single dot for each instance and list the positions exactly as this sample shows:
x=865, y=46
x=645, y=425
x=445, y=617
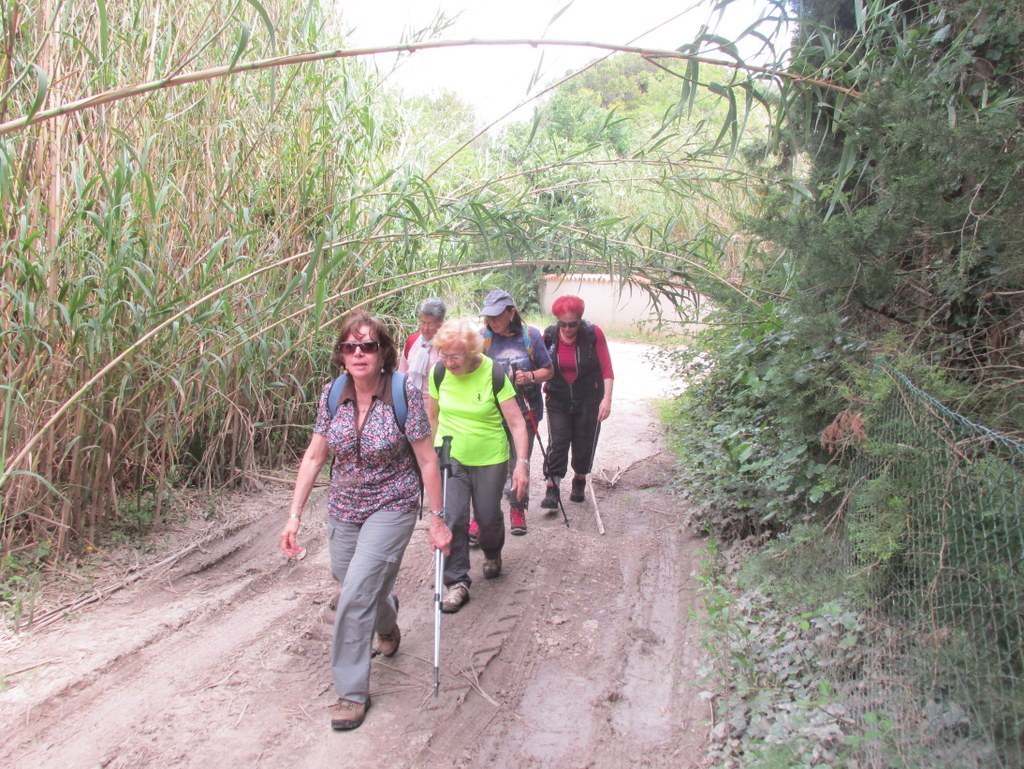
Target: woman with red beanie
x=578, y=397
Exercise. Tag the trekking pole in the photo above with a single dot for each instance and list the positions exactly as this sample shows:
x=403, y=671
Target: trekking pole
x=536, y=434
x=593, y=494
x=445, y=458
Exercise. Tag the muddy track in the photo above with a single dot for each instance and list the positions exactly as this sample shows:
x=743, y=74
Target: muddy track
x=582, y=654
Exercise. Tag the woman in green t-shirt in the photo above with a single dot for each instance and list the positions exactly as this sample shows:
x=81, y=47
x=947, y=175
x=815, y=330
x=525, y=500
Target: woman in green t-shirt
x=467, y=403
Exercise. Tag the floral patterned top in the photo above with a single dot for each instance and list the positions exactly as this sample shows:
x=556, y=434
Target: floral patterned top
x=374, y=468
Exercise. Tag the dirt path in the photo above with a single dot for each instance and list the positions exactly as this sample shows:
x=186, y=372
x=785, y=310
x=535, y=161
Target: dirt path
x=582, y=654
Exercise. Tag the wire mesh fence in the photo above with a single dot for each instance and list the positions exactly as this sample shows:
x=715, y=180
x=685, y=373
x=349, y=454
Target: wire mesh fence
x=934, y=528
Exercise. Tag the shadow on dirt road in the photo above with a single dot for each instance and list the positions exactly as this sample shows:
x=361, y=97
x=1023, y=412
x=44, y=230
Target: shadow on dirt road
x=582, y=654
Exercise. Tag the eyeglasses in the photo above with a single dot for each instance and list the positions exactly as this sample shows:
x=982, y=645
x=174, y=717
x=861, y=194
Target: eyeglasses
x=366, y=348
x=430, y=323
x=454, y=357
x=568, y=323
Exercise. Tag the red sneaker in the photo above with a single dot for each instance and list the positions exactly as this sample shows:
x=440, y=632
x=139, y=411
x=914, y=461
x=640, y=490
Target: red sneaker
x=517, y=520
x=474, y=533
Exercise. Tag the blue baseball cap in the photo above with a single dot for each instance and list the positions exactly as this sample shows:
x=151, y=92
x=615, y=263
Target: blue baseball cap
x=496, y=302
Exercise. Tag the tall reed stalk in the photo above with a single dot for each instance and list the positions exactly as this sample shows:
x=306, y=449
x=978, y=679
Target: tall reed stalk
x=173, y=266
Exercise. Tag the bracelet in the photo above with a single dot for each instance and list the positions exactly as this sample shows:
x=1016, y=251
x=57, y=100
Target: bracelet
x=438, y=514
x=524, y=461
x=293, y=516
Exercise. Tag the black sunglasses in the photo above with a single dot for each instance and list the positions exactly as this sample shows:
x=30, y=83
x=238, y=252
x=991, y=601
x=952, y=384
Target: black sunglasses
x=568, y=323
x=367, y=348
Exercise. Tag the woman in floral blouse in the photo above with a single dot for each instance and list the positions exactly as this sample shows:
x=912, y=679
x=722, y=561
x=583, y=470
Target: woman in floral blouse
x=372, y=504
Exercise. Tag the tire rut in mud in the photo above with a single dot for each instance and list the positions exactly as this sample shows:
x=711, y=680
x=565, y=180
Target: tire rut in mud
x=582, y=654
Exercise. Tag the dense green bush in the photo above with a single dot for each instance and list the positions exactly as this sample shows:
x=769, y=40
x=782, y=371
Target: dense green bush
x=748, y=429
x=889, y=247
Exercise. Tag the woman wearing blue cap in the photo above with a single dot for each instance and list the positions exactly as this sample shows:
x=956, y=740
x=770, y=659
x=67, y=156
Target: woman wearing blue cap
x=519, y=349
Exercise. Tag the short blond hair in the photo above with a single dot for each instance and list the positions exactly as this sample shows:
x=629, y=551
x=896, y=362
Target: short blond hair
x=454, y=331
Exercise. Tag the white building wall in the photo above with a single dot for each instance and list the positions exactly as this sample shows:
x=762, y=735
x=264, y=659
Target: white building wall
x=616, y=306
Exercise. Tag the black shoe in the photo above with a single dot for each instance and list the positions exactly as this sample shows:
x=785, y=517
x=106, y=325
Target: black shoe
x=579, y=485
x=550, y=501
x=492, y=567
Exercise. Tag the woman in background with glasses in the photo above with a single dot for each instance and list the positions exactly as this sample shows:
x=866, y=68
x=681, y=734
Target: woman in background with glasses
x=468, y=398
x=372, y=504
x=578, y=397
x=419, y=354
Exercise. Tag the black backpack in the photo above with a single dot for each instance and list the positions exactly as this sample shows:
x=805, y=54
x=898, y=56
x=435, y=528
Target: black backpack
x=497, y=383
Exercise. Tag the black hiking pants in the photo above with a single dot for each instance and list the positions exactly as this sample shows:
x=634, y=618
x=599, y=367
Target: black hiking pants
x=572, y=427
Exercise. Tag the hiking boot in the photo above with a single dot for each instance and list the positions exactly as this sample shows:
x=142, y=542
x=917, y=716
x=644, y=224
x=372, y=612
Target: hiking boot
x=579, y=485
x=387, y=643
x=550, y=501
x=492, y=567
x=474, y=533
x=347, y=714
x=517, y=521
x=456, y=597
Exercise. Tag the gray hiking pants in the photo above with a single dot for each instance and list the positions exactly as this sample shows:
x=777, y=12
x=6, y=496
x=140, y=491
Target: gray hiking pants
x=364, y=560
x=524, y=501
x=480, y=486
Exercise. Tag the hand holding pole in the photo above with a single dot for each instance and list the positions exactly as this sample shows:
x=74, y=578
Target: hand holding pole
x=536, y=435
x=445, y=461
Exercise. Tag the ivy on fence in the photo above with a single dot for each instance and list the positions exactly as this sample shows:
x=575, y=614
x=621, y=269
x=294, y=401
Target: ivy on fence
x=934, y=524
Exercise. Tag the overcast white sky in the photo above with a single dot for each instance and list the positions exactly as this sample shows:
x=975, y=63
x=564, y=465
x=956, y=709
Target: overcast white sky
x=495, y=79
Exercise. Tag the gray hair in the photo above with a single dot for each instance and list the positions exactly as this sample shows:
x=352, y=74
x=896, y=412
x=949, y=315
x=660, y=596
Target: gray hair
x=432, y=307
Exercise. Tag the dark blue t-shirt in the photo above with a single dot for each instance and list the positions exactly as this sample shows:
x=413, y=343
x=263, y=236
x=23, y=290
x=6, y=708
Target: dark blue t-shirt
x=509, y=350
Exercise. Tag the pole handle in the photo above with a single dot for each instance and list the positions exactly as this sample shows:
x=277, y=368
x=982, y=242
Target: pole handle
x=444, y=454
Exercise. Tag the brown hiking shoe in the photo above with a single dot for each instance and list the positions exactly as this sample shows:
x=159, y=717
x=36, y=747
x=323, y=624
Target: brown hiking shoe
x=492, y=567
x=347, y=714
x=456, y=597
x=387, y=643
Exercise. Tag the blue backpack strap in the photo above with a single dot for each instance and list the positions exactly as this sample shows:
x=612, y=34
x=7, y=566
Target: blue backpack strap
x=399, y=403
x=528, y=343
x=335, y=394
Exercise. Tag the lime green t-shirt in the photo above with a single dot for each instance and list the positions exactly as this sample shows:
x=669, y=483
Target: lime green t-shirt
x=467, y=412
